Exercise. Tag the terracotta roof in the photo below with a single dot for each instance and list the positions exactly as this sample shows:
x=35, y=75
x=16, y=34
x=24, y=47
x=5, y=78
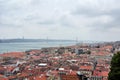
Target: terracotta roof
x=2, y=68
x=13, y=54
x=23, y=74
x=73, y=72
x=101, y=73
x=70, y=77
x=3, y=78
x=104, y=73
x=40, y=77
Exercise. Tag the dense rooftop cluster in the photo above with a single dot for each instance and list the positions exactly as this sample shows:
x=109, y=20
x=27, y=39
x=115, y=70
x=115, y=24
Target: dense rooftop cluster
x=78, y=62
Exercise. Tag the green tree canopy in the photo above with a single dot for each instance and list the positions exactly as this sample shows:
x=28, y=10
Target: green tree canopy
x=114, y=73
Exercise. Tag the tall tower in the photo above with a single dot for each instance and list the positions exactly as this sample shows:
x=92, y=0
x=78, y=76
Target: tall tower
x=47, y=39
x=23, y=37
x=76, y=40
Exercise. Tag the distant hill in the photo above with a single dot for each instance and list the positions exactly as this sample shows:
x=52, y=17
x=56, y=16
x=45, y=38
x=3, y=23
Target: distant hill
x=117, y=42
x=32, y=40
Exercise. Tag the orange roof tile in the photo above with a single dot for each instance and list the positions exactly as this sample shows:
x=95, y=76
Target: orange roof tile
x=104, y=73
x=70, y=77
x=1, y=78
x=13, y=54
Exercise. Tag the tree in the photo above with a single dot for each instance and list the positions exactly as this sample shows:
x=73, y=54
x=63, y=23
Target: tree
x=114, y=73
x=88, y=52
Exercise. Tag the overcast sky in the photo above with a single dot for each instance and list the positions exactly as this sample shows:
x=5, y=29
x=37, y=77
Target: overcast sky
x=60, y=19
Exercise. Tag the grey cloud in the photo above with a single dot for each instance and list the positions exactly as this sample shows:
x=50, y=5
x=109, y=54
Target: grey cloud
x=96, y=13
x=93, y=12
x=46, y=22
x=84, y=11
x=10, y=25
x=39, y=20
x=65, y=22
x=79, y=16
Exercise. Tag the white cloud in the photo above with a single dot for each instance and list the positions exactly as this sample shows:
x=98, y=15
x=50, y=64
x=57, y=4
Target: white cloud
x=61, y=19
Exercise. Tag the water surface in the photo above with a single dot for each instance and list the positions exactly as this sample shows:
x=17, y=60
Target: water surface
x=23, y=46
